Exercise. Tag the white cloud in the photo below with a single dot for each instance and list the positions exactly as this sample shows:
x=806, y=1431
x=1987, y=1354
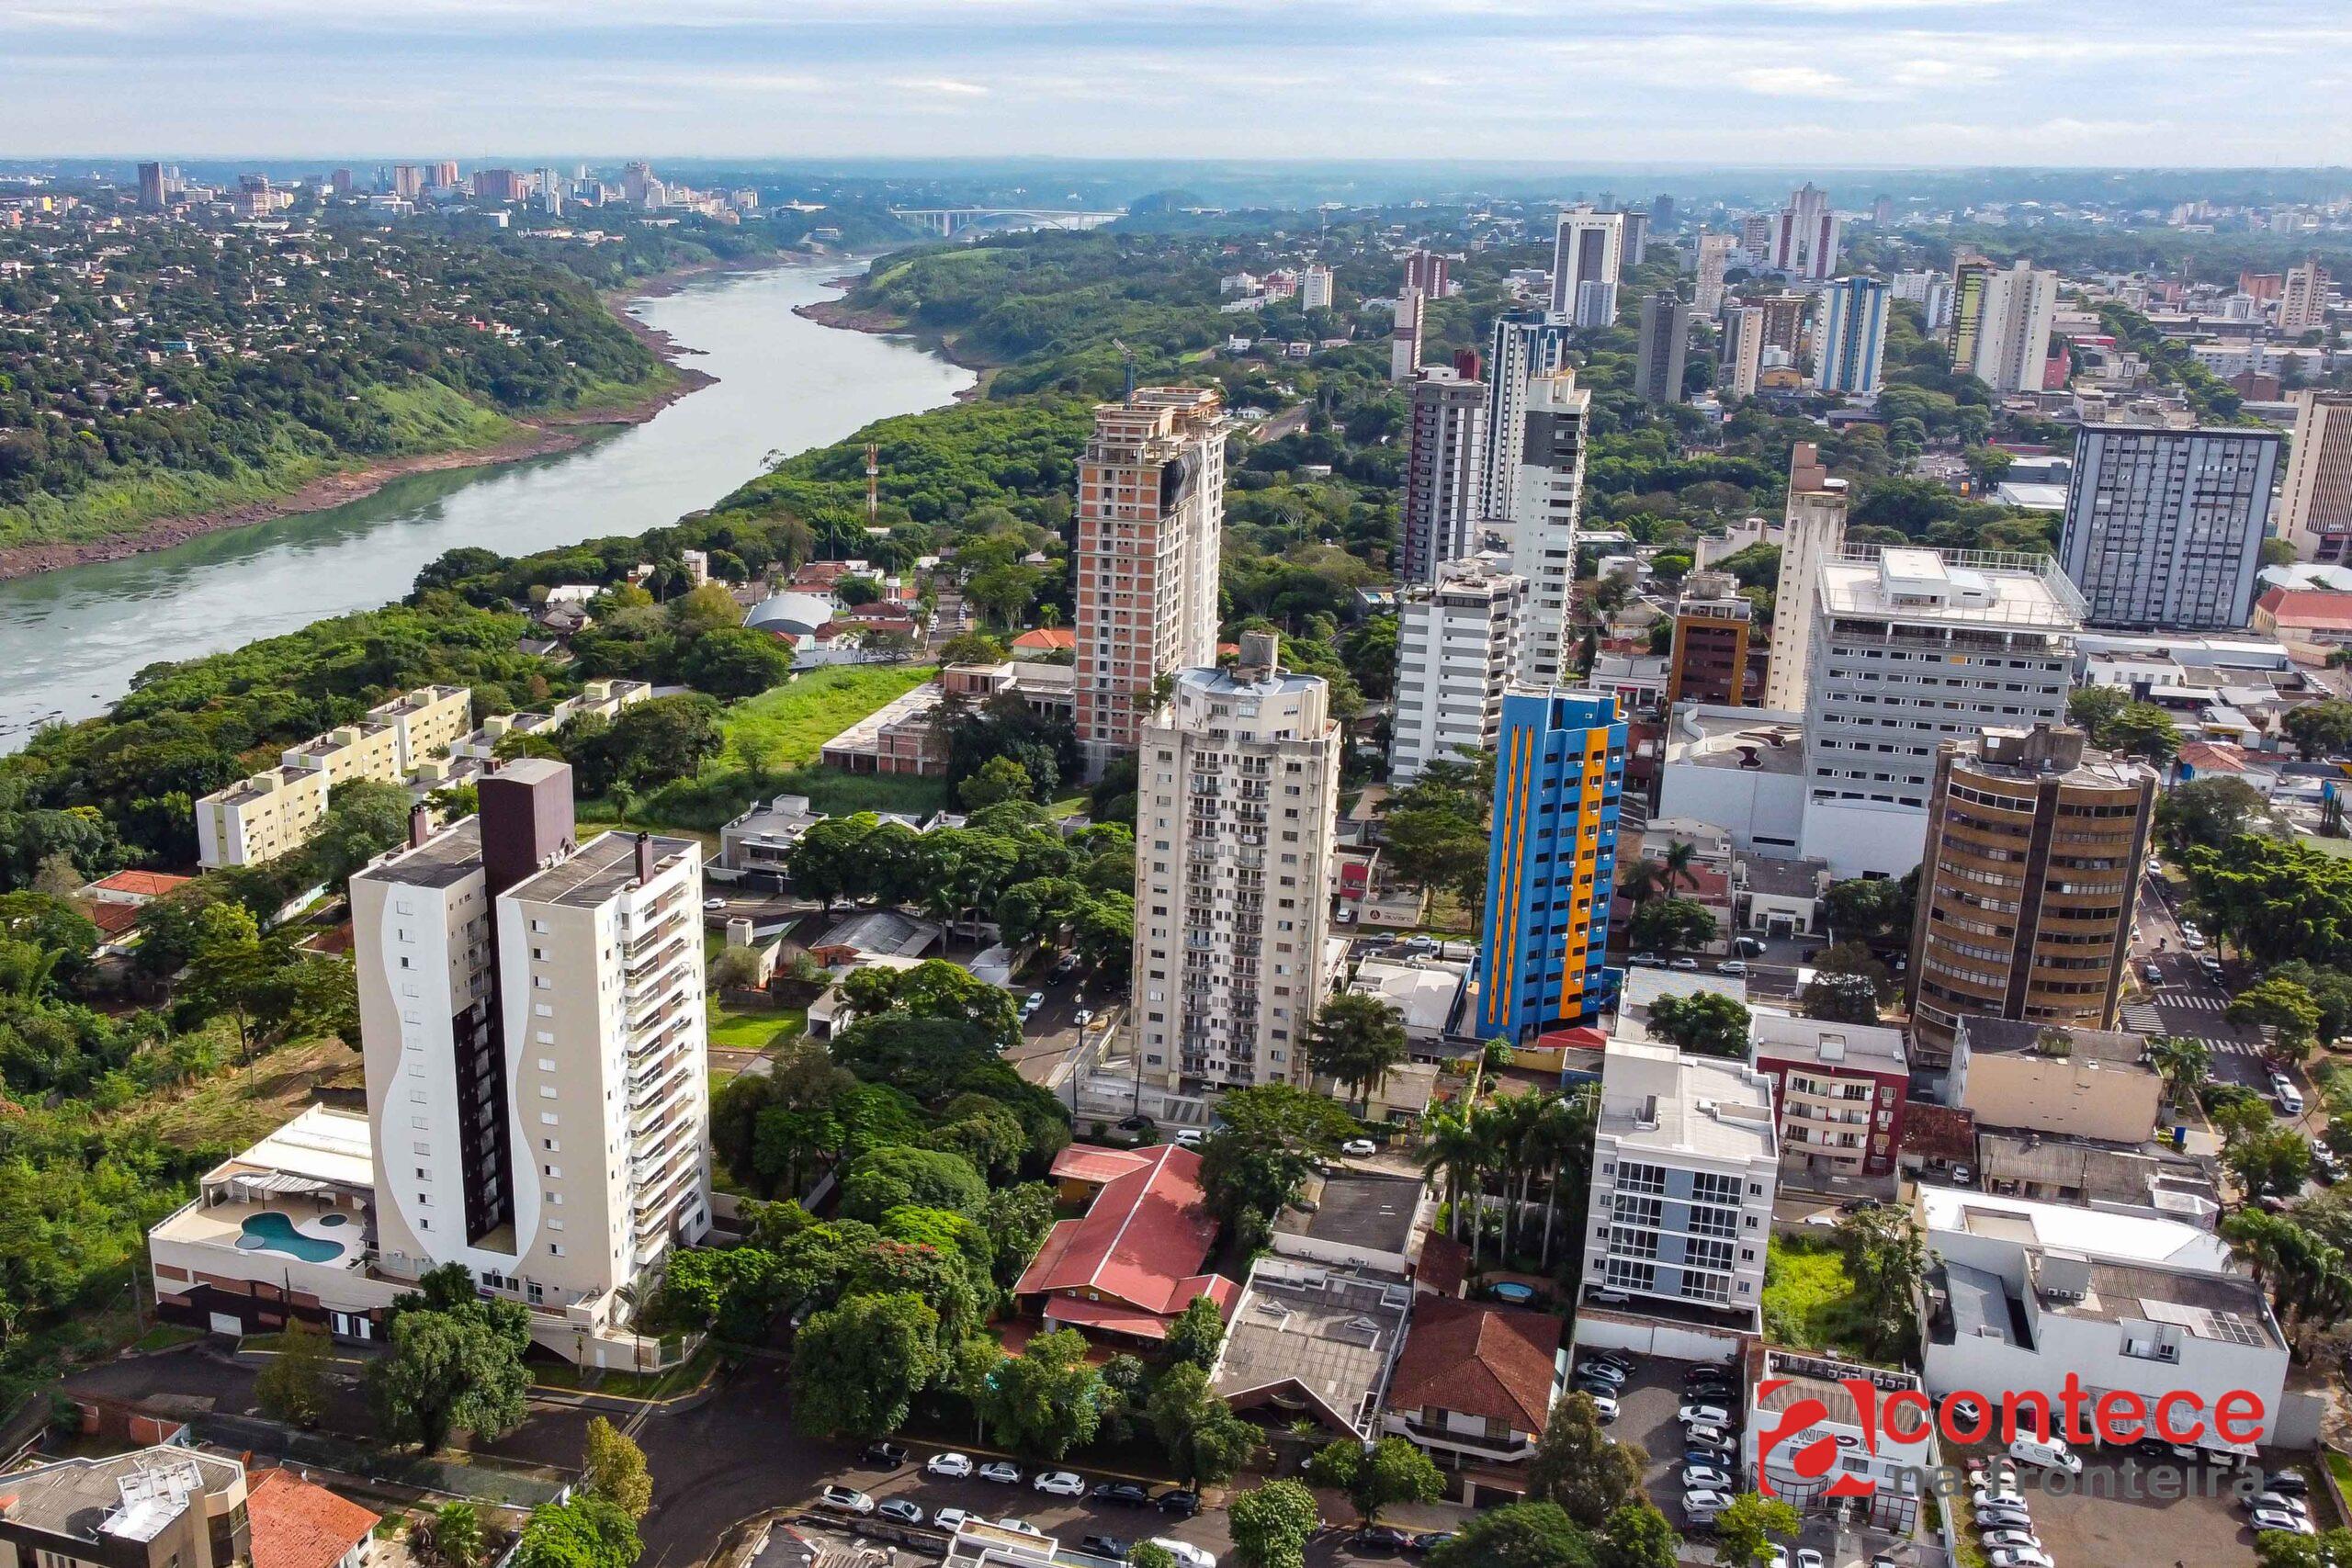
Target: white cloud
x=1790, y=81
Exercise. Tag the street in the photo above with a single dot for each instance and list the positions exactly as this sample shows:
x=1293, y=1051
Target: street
x=2186, y=1001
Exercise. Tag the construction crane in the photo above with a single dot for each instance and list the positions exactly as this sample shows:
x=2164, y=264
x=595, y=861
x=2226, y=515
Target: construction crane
x=1127, y=359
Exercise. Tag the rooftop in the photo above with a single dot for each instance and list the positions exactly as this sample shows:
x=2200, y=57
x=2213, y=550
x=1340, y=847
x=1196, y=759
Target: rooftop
x=1938, y=1131
x=1425, y=992
x=138, y=884
x=2013, y=1037
x=1142, y=1241
x=2095, y=1233
x=1653, y=1097
x=1751, y=739
x=884, y=931
x=1808, y=1376
x=1475, y=1359
x=597, y=872
x=297, y=1524
x=2227, y=1308
x=1778, y=879
x=1355, y=1208
x=321, y=1144
x=2046, y=752
x=132, y=1494
x=1327, y=1336
x=1971, y=587
x=442, y=860
x=1785, y=1037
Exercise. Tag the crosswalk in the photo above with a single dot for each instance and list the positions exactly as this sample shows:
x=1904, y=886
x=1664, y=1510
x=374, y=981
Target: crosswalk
x=2148, y=1018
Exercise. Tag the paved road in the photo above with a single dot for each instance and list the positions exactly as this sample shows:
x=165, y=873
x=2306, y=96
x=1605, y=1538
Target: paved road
x=2185, y=1001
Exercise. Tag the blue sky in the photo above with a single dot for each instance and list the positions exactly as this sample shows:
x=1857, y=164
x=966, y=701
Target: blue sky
x=1709, y=82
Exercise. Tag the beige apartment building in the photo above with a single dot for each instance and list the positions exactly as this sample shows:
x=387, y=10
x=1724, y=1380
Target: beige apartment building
x=273, y=812
x=2315, y=501
x=1150, y=512
x=2084, y=1083
x=1813, y=532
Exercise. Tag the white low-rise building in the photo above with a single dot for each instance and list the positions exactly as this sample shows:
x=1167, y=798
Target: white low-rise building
x=1866, y=1452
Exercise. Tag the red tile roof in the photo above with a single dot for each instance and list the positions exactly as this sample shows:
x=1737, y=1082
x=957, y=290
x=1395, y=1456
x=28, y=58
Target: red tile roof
x=112, y=918
x=1445, y=1263
x=2315, y=607
x=1474, y=1359
x=141, y=884
x=1052, y=640
x=1092, y=1162
x=2216, y=757
x=1142, y=1242
x=298, y=1524
x=1117, y=1317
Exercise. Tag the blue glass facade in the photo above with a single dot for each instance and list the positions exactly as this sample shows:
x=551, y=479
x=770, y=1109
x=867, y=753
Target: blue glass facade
x=1550, y=864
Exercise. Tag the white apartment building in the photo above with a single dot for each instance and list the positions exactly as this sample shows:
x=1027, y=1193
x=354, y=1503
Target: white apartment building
x=1457, y=647
x=2316, y=503
x=2012, y=327
x=1805, y=239
x=1911, y=648
x=1716, y=252
x=272, y=813
x=1588, y=249
x=1813, y=530
x=532, y=1020
x=1685, y=1163
x=1151, y=517
x=1315, y=287
x=2302, y=299
x=1446, y=472
x=2165, y=527
x=1238, y=801
x=1405, y=334
x=2022, y=1293
x=1547, y=499
x=1521, y=353
x=1931, y=291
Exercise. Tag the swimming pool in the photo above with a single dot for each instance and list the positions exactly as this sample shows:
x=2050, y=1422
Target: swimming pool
x=1514, y=1292
x=273, y=1232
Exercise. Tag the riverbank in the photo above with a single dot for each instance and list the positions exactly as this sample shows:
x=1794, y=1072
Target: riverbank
x=537, y=435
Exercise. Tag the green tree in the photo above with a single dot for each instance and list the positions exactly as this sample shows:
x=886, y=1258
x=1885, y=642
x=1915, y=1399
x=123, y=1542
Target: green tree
x=1391, y=1471
x=2144, y=729
x=735, y=662
x=2092, y=708
x=2213, y=812
x=613, y=1468
x=1150, y=1554
x=1519, y=1535
x=857, y=1368
x=293, y=1386
x=449, y=1370
x=1197, y=1333
x=364, y=817
x=1576, y=1465
x=1637, y=1536
x=1872, y=909
x=457, y=1536
x=999, y=779
x=1204, y=1439
x=2182, y=1061
x=1706, y=1021
x=892, y=1177
x=1745, y=1529
x=1840, y=998
x=1271, y=1525
x=1046, y=1400
x=2287, y=1009
x=1663, y=925
x=1356, y=1040
x=1886, y=1256
x=588, y=1531
x=2278, y=1549
x=2320, y=729
x=2274, y=1162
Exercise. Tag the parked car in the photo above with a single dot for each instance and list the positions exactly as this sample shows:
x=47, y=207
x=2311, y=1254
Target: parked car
x=1020, y=1526
x=1704, y=1415
x=950, y=1520
x=1705, y=1501
x=1617, y=1359
x=2003, y=1497
x=1002, y=1472
x=954, y=1466
x=2276, y=1502
x=1703, y=1372
x=2293, y=1524
x=899, y=1511
x=890, y=1456
x=845, y=1500
x=1685, y=963
x=1993, y=1540
x=1588, y=1367
x=714, y=903
x=2192, y=940
x=1717, y=1436
x=1179, y=1500
x=1808, y=1558
x=2286, y=1484
x=1186, y=1554
x=2003, y=1519
x=1747, y=946
x=1705, y=1478
x=1736, y=967
x=1136, y=1124
x=1065, y=965
x=1123, y=1493
x=1382, y=1539
x=1429, y=1542
x=2019, y=1557
x=1061, y=1483
x=1604, y=1407
x=1962, y=1176
x=2151, y=973
x=1109, y=1546
x=1359, y=1148
x=1646, y=960
x=1190, y=1137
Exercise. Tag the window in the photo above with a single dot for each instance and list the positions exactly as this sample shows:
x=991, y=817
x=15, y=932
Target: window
x=1642, y=1177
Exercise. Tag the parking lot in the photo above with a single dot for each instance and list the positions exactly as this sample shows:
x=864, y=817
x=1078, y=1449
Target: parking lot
x=2111, y=1514
x=1068, y=1518
x=1645, y=1415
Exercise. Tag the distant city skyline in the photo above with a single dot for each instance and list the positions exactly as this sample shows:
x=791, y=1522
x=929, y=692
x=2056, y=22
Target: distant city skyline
x=1919, y=82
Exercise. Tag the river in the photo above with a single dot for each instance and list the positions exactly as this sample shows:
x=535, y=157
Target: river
x=71, y=640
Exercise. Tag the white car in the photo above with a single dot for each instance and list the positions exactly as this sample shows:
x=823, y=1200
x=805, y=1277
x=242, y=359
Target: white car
x=1993, y=1540
x=950, y=1520
x=1001, y=1472
x=1685, y=964
x=714, y=903
x=954, y=1466
x=2293, y=1524
x=1808, y=1558
x=1190, y=1137
x=1705, y=1478
x=1735, y=967
x=1060, y=1483
x=2019, y=1557
x=1705, y=1501
x=1704, y=1415
x=1775, y=1555
x=1359, y=1148
x=1019, y=1526
x=2004, y=1498
x=845, y=1500
x=1082, y=1017
x=2193, y=941
x=1604, y=1408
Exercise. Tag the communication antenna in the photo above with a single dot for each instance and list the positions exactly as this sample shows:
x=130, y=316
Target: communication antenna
x=1127, y=357
x=873, y=484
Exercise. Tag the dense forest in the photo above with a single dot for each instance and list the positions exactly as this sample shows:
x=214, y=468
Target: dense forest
x=165, y=366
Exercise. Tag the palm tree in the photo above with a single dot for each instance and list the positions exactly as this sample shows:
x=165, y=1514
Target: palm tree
x=1678, y=862
x=1561, y=1143
x=1513, y=1119
x=1638, y=883
x=2182, y=1063
x=1455, y=1146
x=1049, y=616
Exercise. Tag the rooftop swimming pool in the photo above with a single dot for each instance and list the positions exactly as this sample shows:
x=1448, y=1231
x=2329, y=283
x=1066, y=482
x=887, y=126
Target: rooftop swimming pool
x=273, y=1232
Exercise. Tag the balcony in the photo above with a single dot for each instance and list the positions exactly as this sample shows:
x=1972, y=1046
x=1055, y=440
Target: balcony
x=1506, y=1448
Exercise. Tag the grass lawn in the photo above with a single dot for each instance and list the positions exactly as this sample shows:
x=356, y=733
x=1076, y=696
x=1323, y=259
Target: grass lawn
x=240, y=1104
x=1809, y=1302
x=164, y=1335
x=785, y=727
x=632, y=1385
x=754, y=1027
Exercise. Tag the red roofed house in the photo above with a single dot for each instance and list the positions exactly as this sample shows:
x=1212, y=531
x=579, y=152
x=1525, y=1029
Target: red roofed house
x=1045, y=642
x=1472, y=1388
x=298, y=1524
x=2219, y=759
x=2310, y=622
x=133, y=888
x=1134, y=1262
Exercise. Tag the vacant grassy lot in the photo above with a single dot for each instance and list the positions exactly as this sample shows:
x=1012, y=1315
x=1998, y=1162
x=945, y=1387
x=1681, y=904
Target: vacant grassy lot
x=784, y=728
x=1809, y=1302
x=240, y=1105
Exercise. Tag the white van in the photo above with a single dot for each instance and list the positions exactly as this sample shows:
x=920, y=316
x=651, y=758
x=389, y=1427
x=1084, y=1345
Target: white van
x=2052, y=1455
x=1186, y=1554
x=2290, y=1099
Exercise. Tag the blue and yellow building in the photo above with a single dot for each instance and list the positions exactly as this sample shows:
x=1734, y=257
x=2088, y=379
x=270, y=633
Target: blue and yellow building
x=1550, y=864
